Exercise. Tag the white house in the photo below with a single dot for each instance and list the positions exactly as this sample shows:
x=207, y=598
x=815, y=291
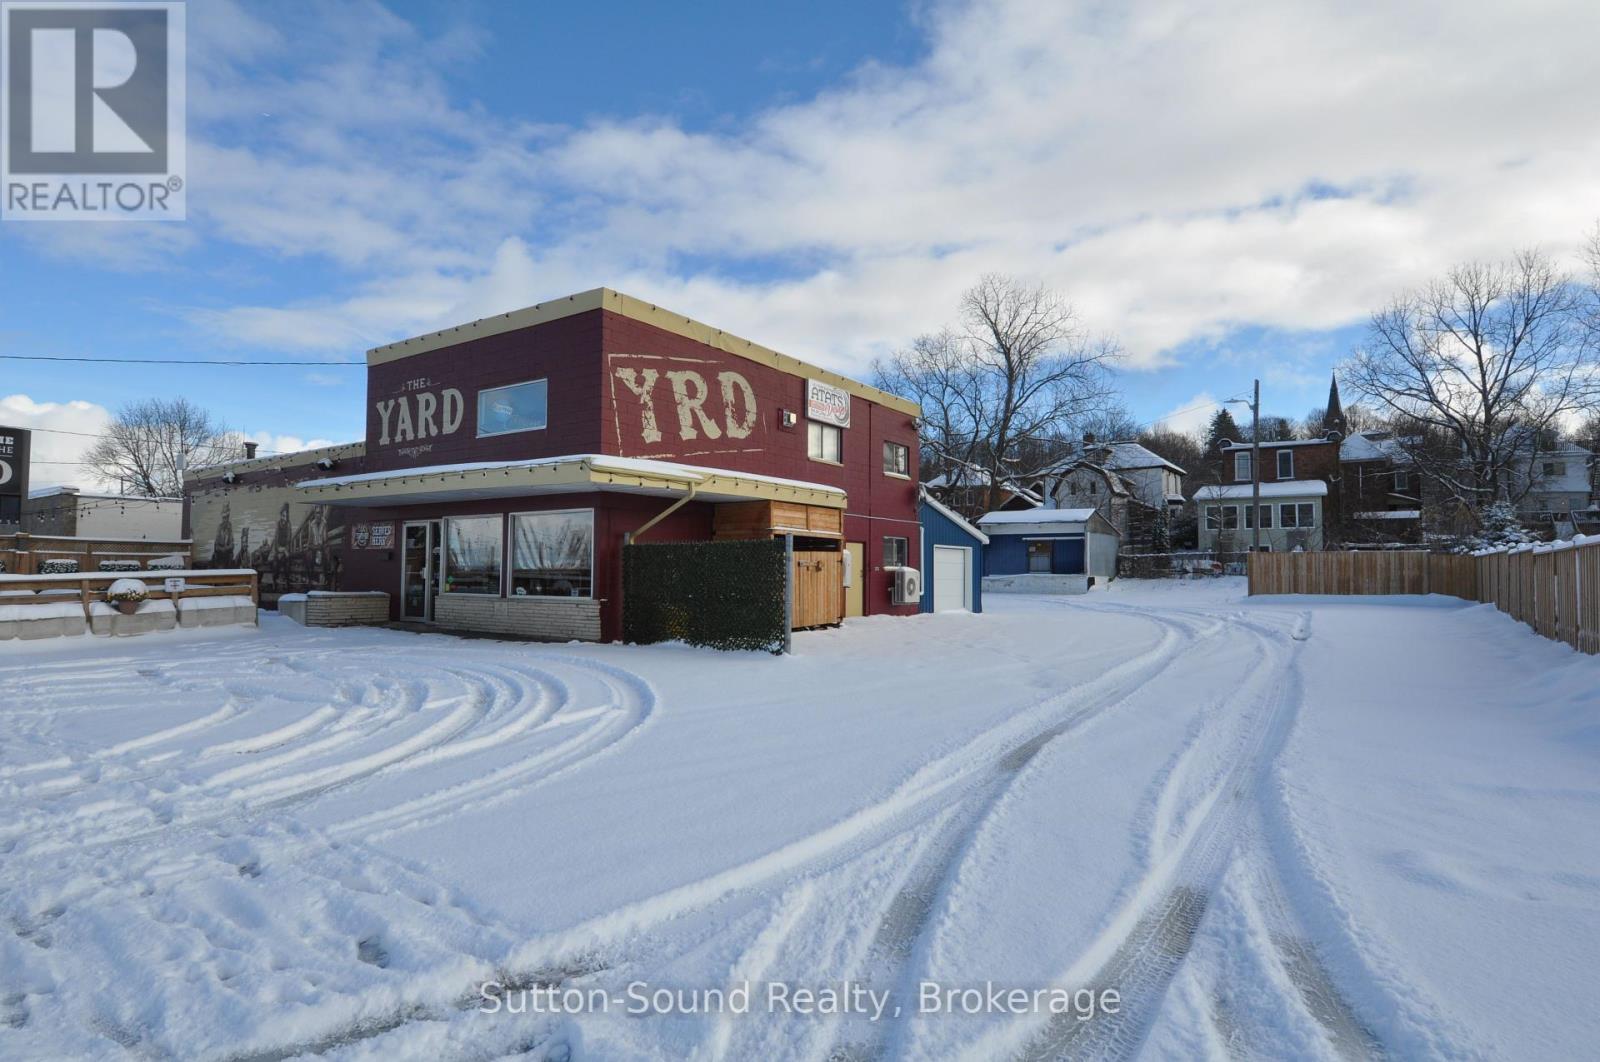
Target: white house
x=1291, y=515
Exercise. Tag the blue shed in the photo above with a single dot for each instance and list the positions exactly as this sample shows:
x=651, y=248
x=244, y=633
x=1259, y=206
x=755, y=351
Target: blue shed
x=1049, y=550
x=952, y=560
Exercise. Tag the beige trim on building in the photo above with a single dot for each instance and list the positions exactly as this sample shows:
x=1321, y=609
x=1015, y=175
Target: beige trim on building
x=338, y=452
x=638, y=310
x=556, y=477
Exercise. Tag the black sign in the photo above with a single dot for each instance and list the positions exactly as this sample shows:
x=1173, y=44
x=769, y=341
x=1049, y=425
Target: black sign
x=13, y=473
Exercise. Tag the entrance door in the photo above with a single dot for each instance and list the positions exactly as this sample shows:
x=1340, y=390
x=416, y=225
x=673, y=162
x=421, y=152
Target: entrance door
x=1039, y=556
x=853, y=594
x=419, y=567
x=952, y=579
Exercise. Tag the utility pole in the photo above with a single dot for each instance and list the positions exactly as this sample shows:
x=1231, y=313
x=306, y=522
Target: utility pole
x=1255, y=470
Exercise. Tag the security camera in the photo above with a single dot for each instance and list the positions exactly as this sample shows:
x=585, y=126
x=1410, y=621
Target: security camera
x=230, y=476
x=326, y=463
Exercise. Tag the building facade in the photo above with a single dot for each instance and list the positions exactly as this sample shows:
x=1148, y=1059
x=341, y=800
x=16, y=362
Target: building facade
x=506, y=462
x=1299, y=497
x=76, y=513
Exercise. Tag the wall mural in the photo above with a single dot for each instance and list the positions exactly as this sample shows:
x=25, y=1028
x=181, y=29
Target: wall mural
x=294, y=545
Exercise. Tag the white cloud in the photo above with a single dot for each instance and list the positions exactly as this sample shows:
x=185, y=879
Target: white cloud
x=272, y=444
x=1191, y=416
x=62, y=434
x=1176, y=173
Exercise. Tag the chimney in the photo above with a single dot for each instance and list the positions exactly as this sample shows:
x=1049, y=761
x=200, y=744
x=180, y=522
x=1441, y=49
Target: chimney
x=1088, y=439
x=250, y=451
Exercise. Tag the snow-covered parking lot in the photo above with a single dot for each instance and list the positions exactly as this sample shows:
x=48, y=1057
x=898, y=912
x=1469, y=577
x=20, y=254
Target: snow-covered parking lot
x=1262, y=828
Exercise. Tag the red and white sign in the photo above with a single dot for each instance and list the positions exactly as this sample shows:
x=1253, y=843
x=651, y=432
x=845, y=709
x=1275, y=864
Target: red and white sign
x=827, y=403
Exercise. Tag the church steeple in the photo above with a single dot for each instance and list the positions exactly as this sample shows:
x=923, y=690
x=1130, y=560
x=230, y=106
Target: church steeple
x=1333, y=419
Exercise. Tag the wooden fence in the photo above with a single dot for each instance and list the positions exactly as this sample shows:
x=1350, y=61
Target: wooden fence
x=22, y=553
x=1555, y=588
x=23, y=591
x=1364, y=572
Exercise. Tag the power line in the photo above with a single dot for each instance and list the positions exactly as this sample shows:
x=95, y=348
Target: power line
x=178, y=361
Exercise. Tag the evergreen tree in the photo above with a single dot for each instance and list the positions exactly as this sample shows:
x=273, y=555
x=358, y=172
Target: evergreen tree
x=1222, y=427
x=1161, y=532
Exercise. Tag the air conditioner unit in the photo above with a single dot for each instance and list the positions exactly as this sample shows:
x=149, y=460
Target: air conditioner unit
x=907, y=589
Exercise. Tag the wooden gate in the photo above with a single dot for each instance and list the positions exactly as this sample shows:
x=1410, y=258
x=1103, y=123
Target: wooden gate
x=818, y=588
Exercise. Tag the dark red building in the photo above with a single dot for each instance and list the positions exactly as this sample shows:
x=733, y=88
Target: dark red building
x=507, y=460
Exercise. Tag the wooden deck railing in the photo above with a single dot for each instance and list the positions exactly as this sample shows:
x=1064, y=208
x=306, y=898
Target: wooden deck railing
x=91, y=586
x=22, y=553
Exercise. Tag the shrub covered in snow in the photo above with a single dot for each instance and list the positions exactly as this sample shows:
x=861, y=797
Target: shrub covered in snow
x=58, y=567
x=127, y=590
x=168, y=564
x=119, y=566
x=1498, y=528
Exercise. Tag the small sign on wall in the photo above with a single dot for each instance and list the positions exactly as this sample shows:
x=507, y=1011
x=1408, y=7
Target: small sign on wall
x=174, y=584
x=381, y=536
x=827, y=403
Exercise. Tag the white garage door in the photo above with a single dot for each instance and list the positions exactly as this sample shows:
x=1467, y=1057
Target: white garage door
x=952, y=578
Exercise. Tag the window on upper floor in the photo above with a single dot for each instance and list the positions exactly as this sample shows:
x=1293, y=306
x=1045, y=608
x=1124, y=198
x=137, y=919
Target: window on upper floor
x=824, y=442
x=1402, y=480
x=1241, y=466
x=515, y=407
x=1285, y=464
x=1555, y=468
x=896, y=459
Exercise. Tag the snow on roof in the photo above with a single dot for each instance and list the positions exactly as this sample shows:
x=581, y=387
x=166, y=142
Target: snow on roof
x=949, y=514
x=599, y=462
x=1395, y=514
x=1037, y=516
x=1136, y=455
x=1289, y=488
x=1275, y=443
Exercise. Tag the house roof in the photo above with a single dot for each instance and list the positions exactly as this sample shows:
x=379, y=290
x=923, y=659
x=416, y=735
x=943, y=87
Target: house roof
x=638, y=310
x=1037, y=516
x=1046, y=522
x=1276, y=443
x=1119, y=456
x=949, y=514
x=562, y=475
x=63, y=490
x=1395, y=514
x=1289, y=488
x=1125, y=455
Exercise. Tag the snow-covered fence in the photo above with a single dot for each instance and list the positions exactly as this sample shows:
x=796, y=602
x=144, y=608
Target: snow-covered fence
x=1553, y=587
x=1364, y=572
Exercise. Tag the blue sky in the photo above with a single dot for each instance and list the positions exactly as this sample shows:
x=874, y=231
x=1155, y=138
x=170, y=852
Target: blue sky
x=1229, y=195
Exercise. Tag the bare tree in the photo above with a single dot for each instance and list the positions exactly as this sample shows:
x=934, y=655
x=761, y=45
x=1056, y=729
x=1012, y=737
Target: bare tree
x=1485, y=362
x=150, y=442
x=1017, y=366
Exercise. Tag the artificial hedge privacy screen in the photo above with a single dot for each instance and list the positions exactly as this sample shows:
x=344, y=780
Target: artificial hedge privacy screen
x=725, y=595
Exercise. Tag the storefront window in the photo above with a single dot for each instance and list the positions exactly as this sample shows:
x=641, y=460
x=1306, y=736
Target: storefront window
x=518, y=407
x=474, y=546
x=552, y=554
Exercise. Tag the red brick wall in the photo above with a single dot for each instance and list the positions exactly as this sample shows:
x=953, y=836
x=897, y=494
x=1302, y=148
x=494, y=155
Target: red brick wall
x=879, y=505
x=564, y=352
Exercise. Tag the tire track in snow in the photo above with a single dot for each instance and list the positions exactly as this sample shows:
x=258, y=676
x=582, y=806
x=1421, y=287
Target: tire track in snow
x=1151, y=936
x=952, y=781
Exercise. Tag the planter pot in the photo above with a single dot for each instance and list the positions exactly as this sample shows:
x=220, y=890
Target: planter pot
x=128, y=608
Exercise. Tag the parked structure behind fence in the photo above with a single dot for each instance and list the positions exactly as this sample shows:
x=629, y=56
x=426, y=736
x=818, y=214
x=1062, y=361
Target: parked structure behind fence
x=1554, y=588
